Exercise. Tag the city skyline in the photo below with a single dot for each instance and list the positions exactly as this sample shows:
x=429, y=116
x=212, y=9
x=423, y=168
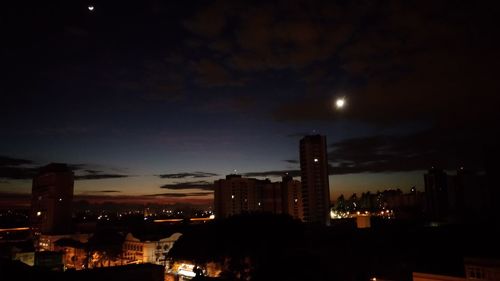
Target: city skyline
x=149, y=102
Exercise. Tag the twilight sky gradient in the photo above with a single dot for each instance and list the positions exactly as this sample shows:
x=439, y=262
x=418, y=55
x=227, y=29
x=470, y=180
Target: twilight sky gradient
x=156, y=99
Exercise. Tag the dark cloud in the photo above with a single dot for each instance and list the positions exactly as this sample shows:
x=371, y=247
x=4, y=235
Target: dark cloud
x=419, y=151
x=16, y=168
x=227, y=104
x=94, y=172
x=11, y=199
x=104, y=191
x=183, y=194
x=204, y=185
x=428, y=61
x=293, y=173
x=99, y=176
x=62, y=131
x=265, y=36
x=211, y=73
x=298, y=135
x=156, y=80
x=18, y=173
x=292, y=161
x=9, y=161
x=13, y=195
x=187, y=175
x=23, y=169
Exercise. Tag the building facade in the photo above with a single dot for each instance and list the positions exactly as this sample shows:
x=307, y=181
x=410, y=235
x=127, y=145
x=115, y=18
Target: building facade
x=235, y=195
x=314, y=177
x=136, y=250
x=436, y=194
x=51, y=200
x=292, y=197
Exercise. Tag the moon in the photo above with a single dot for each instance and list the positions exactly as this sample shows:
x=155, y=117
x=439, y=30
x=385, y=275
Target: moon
x=91, y=8
x=340, y=103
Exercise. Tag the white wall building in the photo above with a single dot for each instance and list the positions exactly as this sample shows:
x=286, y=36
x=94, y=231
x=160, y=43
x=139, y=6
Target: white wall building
x=136, y=250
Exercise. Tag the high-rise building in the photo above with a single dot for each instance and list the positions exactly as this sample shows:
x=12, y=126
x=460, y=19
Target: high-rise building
x=314, y=175
x=51, y=200
x=436, y=194
x=271, y=198
x=468, y=196
x=292, y=197
x=235, y=195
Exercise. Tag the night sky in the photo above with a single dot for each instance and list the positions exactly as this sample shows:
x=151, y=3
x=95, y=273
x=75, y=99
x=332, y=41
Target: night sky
x=150, y=101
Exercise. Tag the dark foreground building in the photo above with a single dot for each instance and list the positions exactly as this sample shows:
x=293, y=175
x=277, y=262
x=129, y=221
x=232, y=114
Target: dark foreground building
x=15, y=270
x=314, y=177
x=51, y=200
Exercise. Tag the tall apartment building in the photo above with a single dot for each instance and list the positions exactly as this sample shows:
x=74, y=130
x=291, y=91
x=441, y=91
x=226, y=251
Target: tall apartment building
x=235, y=195
x=51, y=200
x=314, y=175
x=436, y=194
x=292, y=197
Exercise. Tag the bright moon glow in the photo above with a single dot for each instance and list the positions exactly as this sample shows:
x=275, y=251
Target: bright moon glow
x=91, y=8
x=340, y=103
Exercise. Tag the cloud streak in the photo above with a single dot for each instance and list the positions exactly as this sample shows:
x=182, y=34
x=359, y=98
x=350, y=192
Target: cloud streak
x=9, y=161
x=181, y=194
x=276, y=173
x=418, y=151
x=99, y=176
x=24, y=169
x=187, y=175
x=203, y=185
